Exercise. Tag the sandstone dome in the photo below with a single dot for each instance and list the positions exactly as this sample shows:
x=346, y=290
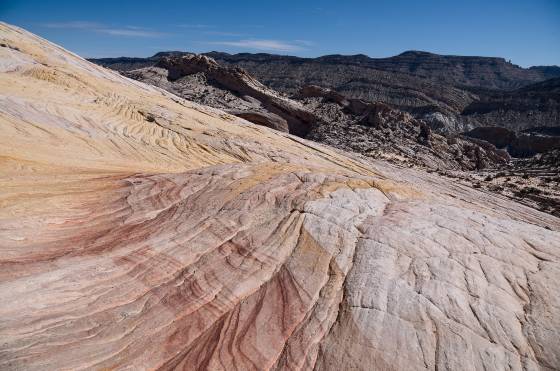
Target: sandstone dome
x=142, y=231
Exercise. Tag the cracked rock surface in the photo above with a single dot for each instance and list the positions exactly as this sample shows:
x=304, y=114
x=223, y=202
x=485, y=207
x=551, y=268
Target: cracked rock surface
x=139, y=230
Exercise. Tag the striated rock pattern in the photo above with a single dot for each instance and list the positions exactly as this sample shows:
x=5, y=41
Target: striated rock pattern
x=197, y=88
x=532, y=106
x=289, y=74
x=141, y=231
x=270, y=108
x=471, y=71
x=453, y=94
x=468, y=92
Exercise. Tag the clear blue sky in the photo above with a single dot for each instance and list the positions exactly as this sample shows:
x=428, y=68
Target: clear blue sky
x=527, y=32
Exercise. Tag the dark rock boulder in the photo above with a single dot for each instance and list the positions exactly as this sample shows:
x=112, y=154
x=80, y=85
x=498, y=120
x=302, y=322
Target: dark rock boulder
x=267, y=119
x=202, y=79
x=524, y=144
x=500, y=137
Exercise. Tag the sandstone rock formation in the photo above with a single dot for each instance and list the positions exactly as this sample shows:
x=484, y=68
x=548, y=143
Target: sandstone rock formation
x=200, y=78
x=472, y=71
x=142, y=231
x=467, y=91
x=289, y=74
x=391, y=133
x=453, y=94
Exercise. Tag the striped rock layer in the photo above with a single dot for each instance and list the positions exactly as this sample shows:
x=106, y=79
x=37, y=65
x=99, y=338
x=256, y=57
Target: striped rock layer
x=141, y=231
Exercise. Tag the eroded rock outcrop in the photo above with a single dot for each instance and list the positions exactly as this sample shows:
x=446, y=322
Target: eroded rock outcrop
x=141, y=231
x=533, y=106
x=524, y=144
x=453, y=94
x=389, y=131
x=201, y=78
x=376, y=130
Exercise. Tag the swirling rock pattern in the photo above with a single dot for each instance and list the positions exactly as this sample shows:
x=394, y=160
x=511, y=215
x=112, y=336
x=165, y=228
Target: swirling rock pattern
x=141, y=231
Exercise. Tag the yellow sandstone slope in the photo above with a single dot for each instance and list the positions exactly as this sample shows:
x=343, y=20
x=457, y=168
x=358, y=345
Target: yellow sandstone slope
x=141, y=231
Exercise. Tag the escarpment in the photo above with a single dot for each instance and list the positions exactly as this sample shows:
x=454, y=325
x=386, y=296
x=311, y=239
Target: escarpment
x=454, y=94
x=139, y=230
x=370, y=128
x=200, y=78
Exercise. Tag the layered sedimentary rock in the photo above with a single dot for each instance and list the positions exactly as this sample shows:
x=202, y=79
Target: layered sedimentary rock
x=200, y=78
x=353, y=79
x=373, y=129
x=141, y=231
x=378, y=130
x=453, y=94
x=485, y=72
x=524, y=144
x=532, y=106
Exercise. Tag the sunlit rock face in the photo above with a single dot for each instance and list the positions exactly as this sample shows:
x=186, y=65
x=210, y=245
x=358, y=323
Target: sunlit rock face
x=141, y=231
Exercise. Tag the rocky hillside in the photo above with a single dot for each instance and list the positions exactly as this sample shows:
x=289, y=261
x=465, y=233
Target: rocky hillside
x=373, y=129
x=536, y=105
x=380, y=131
x=201, y=79
x=524, y=144
x=466, y=92
x=289, y=74
x=453, y=94
x=353, y=78
x=486, y=72
x=534, y=181
x=142, y=231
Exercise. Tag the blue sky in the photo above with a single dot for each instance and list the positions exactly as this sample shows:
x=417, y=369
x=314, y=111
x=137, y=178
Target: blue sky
x=527, y=32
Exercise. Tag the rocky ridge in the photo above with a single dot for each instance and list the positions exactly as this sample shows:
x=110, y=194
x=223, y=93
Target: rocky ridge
x=380, y=131
x=486, y=72
x=526, y=143
x=141, y=230
x=297, y=120
x=323, y=115
x=200, y=78
x=453, y=94
x=533, y=106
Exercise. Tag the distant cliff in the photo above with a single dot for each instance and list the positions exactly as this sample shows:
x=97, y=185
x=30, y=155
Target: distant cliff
x=452, y=93
x=536, y=105
x=487, y=72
